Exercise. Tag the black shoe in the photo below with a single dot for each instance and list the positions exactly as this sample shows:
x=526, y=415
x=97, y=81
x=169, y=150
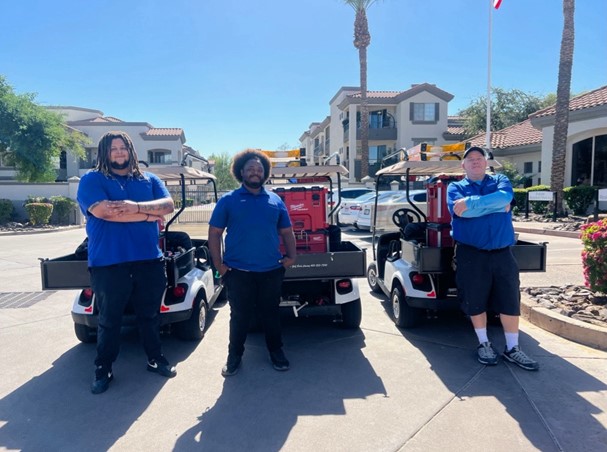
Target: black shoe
x=232, y=366
x=103, y=376
x=279, y=360
x=161, y=366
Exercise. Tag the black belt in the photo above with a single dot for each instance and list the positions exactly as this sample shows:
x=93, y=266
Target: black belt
x=496, y=250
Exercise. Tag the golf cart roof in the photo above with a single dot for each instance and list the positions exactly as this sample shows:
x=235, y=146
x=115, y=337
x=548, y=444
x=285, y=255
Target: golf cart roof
x=429, y=168
x=174, y=172
x=289, y=172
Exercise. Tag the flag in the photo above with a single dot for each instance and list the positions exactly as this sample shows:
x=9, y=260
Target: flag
x=497, y=3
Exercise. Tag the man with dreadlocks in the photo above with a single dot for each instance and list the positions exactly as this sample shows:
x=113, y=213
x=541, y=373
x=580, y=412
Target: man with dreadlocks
x=122, y=206
x=252, y=266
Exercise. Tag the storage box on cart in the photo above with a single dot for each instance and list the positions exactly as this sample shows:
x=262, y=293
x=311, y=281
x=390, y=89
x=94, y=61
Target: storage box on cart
x=307, y=207
x=308, y=242
x=439, y=235
x=437, y=200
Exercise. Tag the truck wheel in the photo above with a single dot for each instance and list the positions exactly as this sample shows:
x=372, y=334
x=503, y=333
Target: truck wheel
x=351, y=314
x=372, y=277
x=85, y=333
x=404, y=315
x=193, y=329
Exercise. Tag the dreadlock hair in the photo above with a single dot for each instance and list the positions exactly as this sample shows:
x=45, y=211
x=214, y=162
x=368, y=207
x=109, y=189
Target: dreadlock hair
x=103, y=153
x=243, y=157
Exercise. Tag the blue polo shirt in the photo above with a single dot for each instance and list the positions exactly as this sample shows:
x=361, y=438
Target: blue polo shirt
x=252, y=222
x=111, y=242
x=485, y=224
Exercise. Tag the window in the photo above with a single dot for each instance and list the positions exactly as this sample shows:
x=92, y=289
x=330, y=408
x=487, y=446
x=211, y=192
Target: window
x=539, y=166
x=528, y=167
x=589, y=162
x=423, y=112
x=158, y=157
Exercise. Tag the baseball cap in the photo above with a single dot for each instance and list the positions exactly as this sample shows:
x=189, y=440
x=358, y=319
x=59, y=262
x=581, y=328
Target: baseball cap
x=475, y=148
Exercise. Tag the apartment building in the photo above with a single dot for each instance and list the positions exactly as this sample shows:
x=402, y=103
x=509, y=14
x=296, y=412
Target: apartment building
x=397, y=119
x=154, y=145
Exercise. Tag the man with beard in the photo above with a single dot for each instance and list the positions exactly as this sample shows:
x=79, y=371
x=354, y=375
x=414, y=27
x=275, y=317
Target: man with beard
x=122, y=206
x=252, y=266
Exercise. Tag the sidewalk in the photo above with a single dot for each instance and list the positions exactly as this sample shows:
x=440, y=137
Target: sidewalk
x=561, y=325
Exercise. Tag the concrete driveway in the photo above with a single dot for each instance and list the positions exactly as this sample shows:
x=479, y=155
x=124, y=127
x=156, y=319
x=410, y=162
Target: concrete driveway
x=377, y=388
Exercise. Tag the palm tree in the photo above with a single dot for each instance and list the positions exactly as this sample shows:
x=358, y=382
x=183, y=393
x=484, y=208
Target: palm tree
x=362, y=39
x=561, y=117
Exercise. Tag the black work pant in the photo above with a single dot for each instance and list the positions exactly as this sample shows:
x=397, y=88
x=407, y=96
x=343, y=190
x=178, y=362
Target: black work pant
x=143, y=284
x=252, y=293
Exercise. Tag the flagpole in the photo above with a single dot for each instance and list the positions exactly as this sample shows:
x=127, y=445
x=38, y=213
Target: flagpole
x=488, y=125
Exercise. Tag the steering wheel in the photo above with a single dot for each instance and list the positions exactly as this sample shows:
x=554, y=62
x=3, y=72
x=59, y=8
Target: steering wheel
x=402, y=217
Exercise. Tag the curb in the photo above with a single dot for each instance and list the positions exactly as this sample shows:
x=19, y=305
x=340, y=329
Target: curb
x=554, y=232
x=41, y=231
x=575, y=330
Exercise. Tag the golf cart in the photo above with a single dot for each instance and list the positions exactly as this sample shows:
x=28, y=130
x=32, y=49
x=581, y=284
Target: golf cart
x=191, y=287
x=322, y=280
x=413, y=266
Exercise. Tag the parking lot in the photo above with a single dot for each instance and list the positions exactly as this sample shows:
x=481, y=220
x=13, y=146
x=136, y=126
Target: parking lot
x=378, y=388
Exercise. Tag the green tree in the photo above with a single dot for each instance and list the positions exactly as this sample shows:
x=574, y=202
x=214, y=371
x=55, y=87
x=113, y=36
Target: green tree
x=221, y=170
x=561, y=117
x=32, y=137
x=362, y=40
x=507, y=108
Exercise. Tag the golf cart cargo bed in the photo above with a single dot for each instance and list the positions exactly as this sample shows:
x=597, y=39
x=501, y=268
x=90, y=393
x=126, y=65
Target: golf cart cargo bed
x=348, y=261
x=65, y=272
x=531, y=257
x=69, y=272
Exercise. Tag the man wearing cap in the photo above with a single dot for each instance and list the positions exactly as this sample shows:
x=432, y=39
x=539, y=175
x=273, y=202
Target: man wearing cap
x=487, y=274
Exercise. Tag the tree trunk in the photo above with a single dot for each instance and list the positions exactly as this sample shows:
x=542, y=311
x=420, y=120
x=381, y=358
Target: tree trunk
x=364, y=114
x=561, y=117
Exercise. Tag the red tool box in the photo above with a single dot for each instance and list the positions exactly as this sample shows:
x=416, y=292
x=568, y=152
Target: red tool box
x=309, y=242
x=439, y=235
x=307, y=207
x=437, y=200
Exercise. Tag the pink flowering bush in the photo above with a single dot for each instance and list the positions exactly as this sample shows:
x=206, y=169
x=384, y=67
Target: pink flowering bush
x=594, y=255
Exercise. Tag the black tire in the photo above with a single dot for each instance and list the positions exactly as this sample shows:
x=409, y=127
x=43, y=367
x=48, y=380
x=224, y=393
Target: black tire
x=194, y=328
x=372, y=278
x=351, y=314
x=85, y=334
x=404, y=315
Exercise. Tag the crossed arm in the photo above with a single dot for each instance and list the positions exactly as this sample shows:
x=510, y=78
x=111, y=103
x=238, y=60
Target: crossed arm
x=130, y=211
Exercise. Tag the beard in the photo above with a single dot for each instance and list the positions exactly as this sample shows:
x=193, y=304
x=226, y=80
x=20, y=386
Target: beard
x=119, y=166
x=253, y=184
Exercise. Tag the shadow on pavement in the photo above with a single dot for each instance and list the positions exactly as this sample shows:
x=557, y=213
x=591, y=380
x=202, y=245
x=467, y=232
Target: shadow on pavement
x=554, y=408
x=258, y=407
x=56, y=410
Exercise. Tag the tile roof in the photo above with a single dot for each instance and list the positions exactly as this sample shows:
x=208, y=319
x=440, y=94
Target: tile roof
x=455, y=130
x=164, y=132
x=377, y=94
x=521, y=134
x=587, y=100
x=106, y=119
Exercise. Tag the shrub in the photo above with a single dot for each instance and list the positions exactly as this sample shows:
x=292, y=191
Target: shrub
x=31, y=199
x=579, y=198
x=6, y=210
x=39, y=212
x=594, y=255
x=520, y=196
x=62, y=208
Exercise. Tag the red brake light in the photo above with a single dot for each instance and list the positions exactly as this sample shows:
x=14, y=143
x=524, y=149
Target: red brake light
x=87, y=293
x=417, y=279
x=345, y=284
x=178, y=291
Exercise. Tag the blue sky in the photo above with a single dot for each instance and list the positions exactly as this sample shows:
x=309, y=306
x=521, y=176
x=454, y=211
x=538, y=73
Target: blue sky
x=239, y=73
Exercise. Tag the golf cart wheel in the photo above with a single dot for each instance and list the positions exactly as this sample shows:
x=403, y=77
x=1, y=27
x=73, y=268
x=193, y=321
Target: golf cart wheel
x=372, y=278
x=85, y=333
x=402, y=217
x=351, y=314
x=194, y=328
x=404, y=315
